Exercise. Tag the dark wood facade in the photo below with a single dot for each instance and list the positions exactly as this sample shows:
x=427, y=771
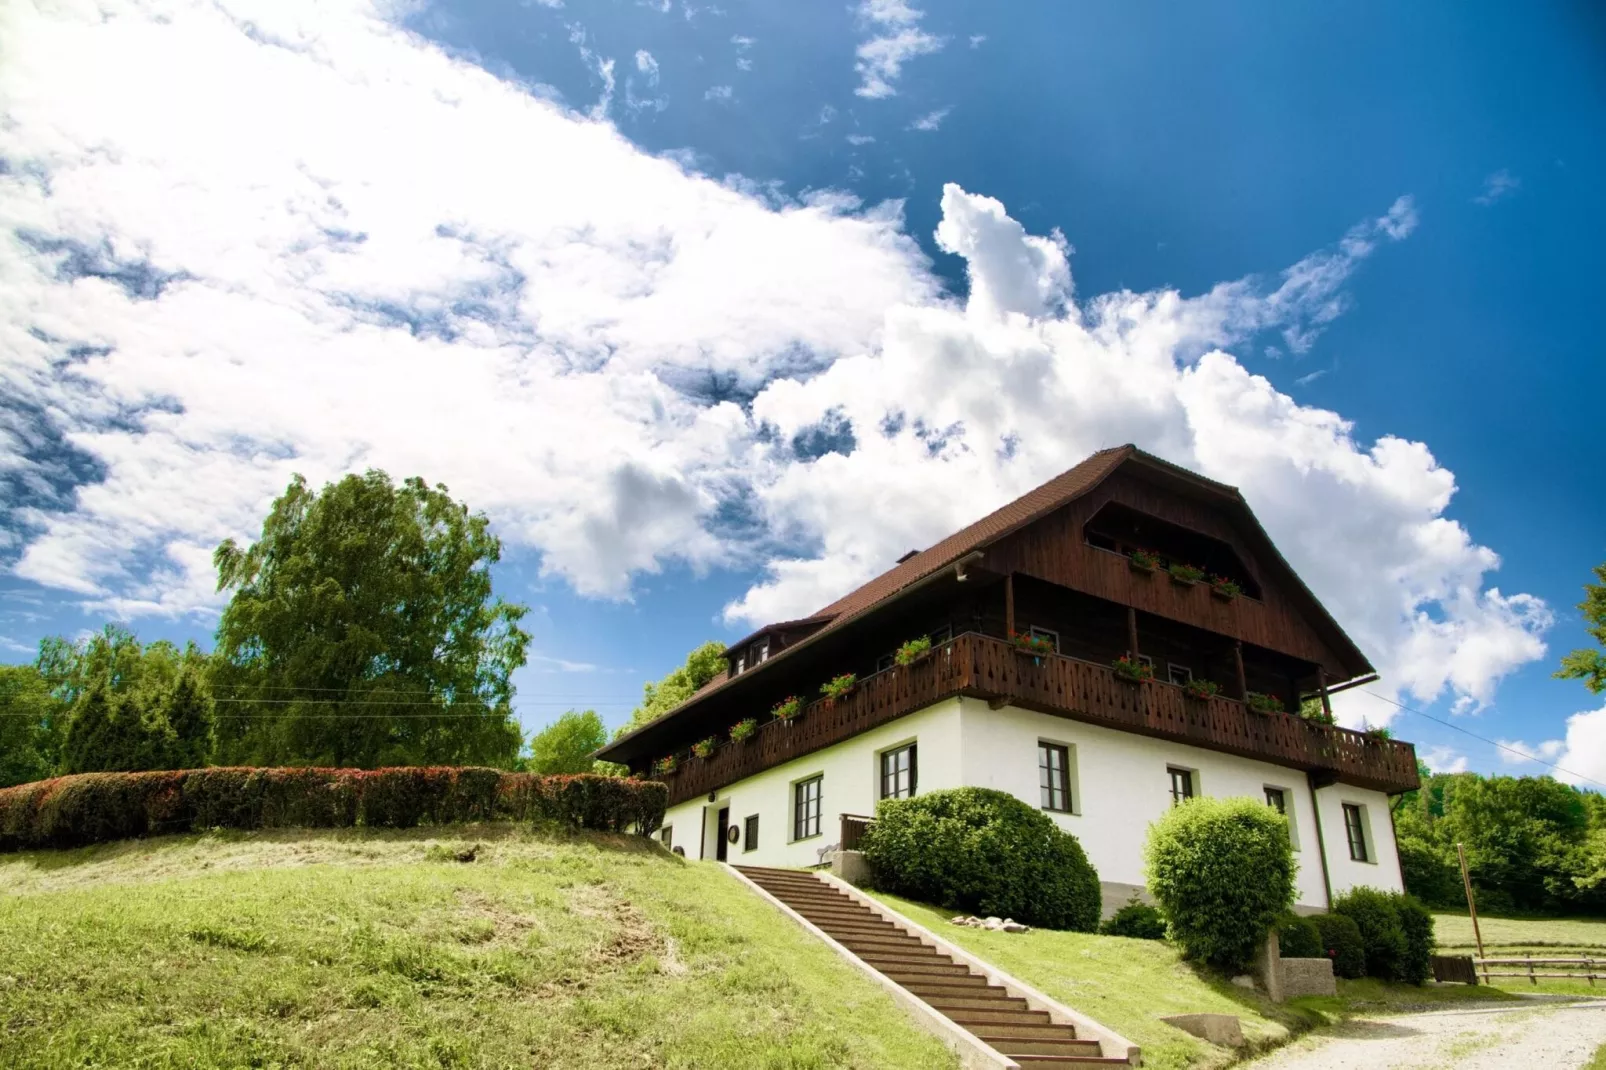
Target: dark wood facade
x=1061, y=571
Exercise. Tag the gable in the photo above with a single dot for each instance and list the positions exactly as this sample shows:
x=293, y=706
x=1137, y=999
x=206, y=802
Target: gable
x=1277, y=611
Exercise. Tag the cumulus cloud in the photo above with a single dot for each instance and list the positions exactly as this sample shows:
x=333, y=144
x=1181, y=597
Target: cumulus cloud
x=1580, y=757
x=1498, y=187
x=624, y=363
x=897, y=39
x=647, y=65
x=1444, y=760
x=931, y=120
x=718, y=92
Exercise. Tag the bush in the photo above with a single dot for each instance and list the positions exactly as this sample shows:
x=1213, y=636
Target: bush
x=99, y=807
x=1299, y=938
x=1396, y=933
x=1136, y=920
x=1341, y=940
x=1223, y=872
x=983, y=852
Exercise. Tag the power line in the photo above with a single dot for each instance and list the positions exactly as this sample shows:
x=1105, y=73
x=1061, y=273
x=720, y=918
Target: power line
x=1493, y=743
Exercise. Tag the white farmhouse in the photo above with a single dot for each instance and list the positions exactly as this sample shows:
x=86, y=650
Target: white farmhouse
x=1119, y=639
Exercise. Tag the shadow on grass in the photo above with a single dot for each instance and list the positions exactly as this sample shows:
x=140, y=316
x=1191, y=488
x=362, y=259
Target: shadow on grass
x=488, y=832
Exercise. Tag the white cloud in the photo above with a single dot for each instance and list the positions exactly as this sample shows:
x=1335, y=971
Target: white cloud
x=931, y=120
x=976, y=39
x=513, y=300
x=1497, y=187
x=1580, y=758
x=898, y=39
x=1444, y=760
x=718, y=92
x=647, y=65
x=860, y=139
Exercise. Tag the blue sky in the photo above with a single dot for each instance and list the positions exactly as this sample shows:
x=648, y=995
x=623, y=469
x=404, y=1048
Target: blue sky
x=1390, y=214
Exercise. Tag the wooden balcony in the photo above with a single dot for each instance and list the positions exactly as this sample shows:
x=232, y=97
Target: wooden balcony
x=980, y=666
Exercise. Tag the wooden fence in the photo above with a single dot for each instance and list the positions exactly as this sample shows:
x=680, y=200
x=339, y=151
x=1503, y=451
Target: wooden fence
x=1558, y=969
x=853, y=826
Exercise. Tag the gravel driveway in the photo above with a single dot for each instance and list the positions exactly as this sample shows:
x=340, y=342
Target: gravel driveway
x=1548, y=1036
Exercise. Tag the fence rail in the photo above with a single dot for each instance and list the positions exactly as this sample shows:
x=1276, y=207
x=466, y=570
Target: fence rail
x=1571, y=968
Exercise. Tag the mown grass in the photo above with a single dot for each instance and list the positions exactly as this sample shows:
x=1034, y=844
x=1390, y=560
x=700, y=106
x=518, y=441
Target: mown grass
x=1128, y=985
x=355, y=948
x=1515, y=937
x=1598, y=1060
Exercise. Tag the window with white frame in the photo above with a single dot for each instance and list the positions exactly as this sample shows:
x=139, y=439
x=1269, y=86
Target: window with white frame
x=1282, y=800
x=666, y=835
x=761, y=652
x=898, y=772
x=1178, y=674
x=806, y=807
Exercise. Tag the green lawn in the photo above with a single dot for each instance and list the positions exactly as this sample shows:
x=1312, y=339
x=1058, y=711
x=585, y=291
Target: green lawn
x=1549, y=937
x=1598, y=1060
x=1128, y=984
x=354, y=948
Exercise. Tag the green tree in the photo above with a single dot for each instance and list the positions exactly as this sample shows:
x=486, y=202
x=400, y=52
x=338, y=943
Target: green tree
x=114, y=659
x=566, y=745
x=32, y=721
x=189, y=724
x=92, y=743
x=362, y=631
x=1590, y=665
x=702, y=665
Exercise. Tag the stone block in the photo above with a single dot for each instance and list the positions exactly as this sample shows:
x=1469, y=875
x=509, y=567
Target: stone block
x=1307, y=977
x=1221, y=1029
x=850, y=866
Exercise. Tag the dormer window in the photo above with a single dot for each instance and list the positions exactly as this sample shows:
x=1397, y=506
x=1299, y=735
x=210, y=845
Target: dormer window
x=741, y=664
x=761, y=651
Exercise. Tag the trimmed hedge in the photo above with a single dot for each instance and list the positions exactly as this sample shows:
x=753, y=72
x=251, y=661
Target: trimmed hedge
x=1341, y=939
x=1299, y=938
x=1396, y=933
x=1223, y=872
x=984, y=852
x=72, y=811
x=1136, y=920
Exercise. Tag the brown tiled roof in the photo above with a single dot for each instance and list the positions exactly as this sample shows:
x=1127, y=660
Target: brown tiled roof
x=1046, y=498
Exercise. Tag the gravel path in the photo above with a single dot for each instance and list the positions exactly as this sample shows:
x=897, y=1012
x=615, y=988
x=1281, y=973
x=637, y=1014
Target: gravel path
x=1549, y=1036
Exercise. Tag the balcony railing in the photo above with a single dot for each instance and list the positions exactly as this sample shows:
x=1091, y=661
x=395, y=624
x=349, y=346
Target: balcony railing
x=981, y=666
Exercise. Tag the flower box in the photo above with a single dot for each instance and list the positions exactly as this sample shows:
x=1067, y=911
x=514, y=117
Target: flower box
x=838, y=687
x=743, y=730
x=1203, y=690
x=1142, y=561
x=1224, y=589
x=665, y=766
x=1132, y=671
x=912, y=651
x=704, y=748
x=788, y=709
x=1186, y=575
x=1265, y=703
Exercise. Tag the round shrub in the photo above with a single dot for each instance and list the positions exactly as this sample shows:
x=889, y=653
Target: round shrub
x=1341, y=941
x=983, y=852
x=1396, y=933
x=1139, y=921
x=1223, y=872
x=1299, y=938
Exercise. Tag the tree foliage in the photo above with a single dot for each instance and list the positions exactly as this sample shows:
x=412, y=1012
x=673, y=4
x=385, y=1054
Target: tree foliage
x=126, y=706
x=566, y=745
x=32, y=721
x=1396, y=933
x=702, y=665
x=1533, y=845
x=362, y=632
x=1222, y=870
x=1590, y=665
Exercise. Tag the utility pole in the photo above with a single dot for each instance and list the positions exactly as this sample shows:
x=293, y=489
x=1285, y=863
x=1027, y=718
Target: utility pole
x=1472, y=909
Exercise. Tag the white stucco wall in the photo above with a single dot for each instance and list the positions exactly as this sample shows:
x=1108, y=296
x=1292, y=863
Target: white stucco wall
x=1120, y=783
x=851, y=775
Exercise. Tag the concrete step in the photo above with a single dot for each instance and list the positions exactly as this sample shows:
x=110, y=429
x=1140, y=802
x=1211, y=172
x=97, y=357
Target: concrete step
x=860, y=925
x=884, y=961
x=1036, y=1031
x=1048, y=1061
x=1009, y=1017
x=965, y=985
x=930, y=970
x=891, y=941
x=1016, y=1046
x=1000, y=1002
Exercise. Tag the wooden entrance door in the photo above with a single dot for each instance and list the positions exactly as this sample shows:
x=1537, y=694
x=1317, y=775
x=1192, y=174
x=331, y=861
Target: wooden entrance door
x=724, y=823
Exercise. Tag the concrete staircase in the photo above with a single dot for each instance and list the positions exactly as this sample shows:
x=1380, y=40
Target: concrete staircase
x=1003, y=1022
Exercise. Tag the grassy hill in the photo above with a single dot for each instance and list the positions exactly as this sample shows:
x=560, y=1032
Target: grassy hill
x=356, y=948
